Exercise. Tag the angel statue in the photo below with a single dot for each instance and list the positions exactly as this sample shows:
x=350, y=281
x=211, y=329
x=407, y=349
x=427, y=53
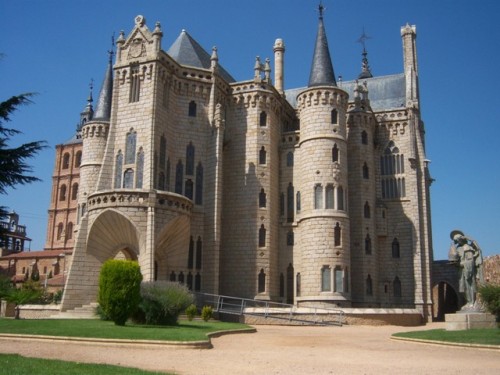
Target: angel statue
x=466, y=252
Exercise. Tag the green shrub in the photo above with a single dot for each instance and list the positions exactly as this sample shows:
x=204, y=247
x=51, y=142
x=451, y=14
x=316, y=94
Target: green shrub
x=207, y=313
x=5, y=286
x=119, y=289
x=490, y=295
x=57, y=297
x=162, y=302
x=191, y=312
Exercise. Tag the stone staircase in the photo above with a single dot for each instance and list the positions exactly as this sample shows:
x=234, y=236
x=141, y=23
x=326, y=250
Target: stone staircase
x=82, y=312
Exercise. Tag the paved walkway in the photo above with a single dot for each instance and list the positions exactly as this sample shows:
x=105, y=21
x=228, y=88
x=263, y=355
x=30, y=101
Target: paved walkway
x=286, y=350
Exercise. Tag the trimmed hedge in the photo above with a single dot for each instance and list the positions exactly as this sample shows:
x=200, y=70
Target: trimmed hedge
x=119, y=289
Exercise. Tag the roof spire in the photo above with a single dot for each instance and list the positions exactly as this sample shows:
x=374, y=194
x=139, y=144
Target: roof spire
x=103, y=108
x=365, y=67
x=88, y=111
x=322, y=68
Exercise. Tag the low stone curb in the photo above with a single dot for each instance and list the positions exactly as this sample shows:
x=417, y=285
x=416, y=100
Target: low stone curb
x=201, y=344
x=447, y=343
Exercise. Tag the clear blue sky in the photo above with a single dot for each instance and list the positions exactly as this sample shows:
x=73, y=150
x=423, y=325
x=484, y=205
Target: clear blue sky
x=55, y=47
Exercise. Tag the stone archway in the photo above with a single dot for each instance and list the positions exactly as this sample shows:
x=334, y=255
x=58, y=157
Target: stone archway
x=446, y=300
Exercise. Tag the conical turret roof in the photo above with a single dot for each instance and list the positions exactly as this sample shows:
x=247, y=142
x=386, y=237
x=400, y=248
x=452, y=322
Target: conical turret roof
x=103, y=107
x=322, y=68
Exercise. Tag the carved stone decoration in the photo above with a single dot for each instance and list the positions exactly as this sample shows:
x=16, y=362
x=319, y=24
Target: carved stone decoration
x=137, y=48
x=336, y=173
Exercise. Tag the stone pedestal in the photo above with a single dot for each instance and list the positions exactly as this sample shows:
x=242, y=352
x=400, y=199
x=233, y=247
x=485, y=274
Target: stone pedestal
x=469, y=320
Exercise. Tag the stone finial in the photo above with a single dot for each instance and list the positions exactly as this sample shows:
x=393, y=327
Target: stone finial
x=257, y=68
x=267, y=70
x=139, y=20
x=157, y=30
x=215, y=57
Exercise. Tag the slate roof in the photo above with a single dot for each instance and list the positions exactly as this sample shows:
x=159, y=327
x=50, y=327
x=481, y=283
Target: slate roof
x=187, y=51
x=321, y=67
x=384, y=92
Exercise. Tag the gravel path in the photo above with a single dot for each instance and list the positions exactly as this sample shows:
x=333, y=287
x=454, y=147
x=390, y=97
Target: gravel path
x=285, y=350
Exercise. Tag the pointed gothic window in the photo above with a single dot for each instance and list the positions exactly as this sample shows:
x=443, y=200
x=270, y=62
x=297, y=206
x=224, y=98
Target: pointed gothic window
x=188, y=188
x=366, y=211
x=364, y=137
x=368, y=245
x=334, y=116
x=366, y=173
x=135, y=84
x=189, y=282
x=329, y=196
x=395, y=248
x=65, y=164
x=290, y=238
x=181, y=277
x=190, y=159
x=161, y=181
x=192, y=109
x=392, y=169
x=167, y=177
x=326, y=279
x=172, y=276
x=262, y=198
x=298, y=203
x=290, y=196
x=163, y=151
x=298, y=284
x=335, y=153
x=199, y=249
x=262, y=236
x=339, y=280
x=289, y=159
x=179, y=177
x=340, y=198
x=262, y=281
x=369, y=286
x=191, y=253
x=282, y=285
x=318, y=197
x=397, y=287
x=263, y=118
x=198, y=199
x=197, y=282
x=118, y=170
x=337, y=235
x=130, y=147
x=282, y=204
x=262, y=155
x=140, y=169
x=128, y=179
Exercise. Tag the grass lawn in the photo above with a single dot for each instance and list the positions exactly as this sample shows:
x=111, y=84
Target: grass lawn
x=13, y=364
x=470, y=336
x=184, y=331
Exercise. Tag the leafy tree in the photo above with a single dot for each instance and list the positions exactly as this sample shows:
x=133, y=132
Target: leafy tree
x=30, y=292
x=14, y=169
x=490, y=295
x=119, y=289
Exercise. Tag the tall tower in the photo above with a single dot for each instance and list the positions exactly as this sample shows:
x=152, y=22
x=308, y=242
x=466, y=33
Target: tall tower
x=322, y=272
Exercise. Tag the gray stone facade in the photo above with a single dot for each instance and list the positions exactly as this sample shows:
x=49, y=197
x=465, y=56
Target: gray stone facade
x=311, y=196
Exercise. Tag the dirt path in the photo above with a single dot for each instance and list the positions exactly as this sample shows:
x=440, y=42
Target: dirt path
x=285, y=350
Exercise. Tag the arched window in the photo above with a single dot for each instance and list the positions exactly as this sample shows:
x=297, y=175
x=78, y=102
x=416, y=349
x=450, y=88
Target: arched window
x=340, y=198
x=78, y=159
x=326, y=279
x=366, y=172
x=337, y=234
x=140, y=169
x=192, y=109
x=62, y=193
x=188, y=188
x=161, y=181
x=69, y=231
x=135, y=84
x=198, y=199
x=179, y=177
x=163, y=151
x=130, y=147
x=290, y=238
x=128, y=179
x=391, y=169
x=262, y=236
x=262, y=155
x=262, y=281
x=364, y=137
x=298, y=203
x=318, y=197
x=190, y=159
x=395, y=248
x=335, y=153
x=60, y=228
x=397, y=287
x=334, y=116
x=366, y=211
x=181, y=277
x=189, y=282
x=118, y=170
x=289, y=284
x=172, y=276
x=262, y=198
x=191, y=253
x=65, y=163
x=199, y=248
x=289, y=159
x=298, y=284
x=369, y=286
x=74, y=191
x=197, y=282
x=339, y=280
x=167, y=177
x=368, y=245
x=263, y=118
x=329, y=196
x=282, y=285
x=290, y=196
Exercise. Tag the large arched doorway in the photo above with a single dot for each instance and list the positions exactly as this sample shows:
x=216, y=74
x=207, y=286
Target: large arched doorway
x=446, y=300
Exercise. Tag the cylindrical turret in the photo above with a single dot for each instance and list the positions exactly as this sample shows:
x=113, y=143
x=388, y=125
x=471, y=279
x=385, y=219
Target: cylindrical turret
x=279, y=68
